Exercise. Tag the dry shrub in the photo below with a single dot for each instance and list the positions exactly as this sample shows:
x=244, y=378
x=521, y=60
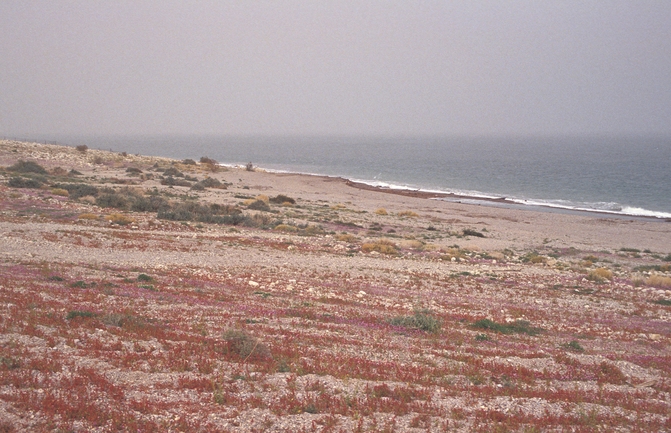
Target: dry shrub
x=600, y=274
x=338, y=206
x=346, y=237
x=88, y=216
x=117, y=218
x=59, y=171
x=60, y=191
x=246, y=346
x=264, y=198
x=453, y=252
x=286, y=228
x=382, y=246
x=658, y=281
x=381, y=211
x=496, y=255
x=82, y=148
x=283, y=200
x=412, y=244
x=408, y=213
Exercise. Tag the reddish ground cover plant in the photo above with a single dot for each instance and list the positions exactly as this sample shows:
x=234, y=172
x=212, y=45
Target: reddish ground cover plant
x=162, y=325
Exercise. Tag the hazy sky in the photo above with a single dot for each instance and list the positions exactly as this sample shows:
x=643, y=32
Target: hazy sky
x=335, y=67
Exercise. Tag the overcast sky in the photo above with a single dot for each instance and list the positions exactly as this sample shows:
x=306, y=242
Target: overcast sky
x=335, y=67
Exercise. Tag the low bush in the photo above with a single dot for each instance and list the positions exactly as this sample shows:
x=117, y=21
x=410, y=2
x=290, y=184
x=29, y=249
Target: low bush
x=534, y=257
x=381, y=246
x=407, y=213
x=88, y=216
x=23, y=182
x=209, y=161
x=259, y=205
x=660, y=281
x=145, y=278
x=171, y=181
x=83, y=314
x=282, y=199
x=60, y=192
x=573, y=346
x=188, y=162
x=600, y=275
x=113, y=200
x=470, y=232
x=381, y=211
x=245, y=346
x=210, y=182
x=286, y=228
x=422, y=319
x=665, y=302
x=120, y=219
x=346, y=237
x=517, y=327
x=27, y=167
x=172, y=171
x=82, y=148
x=77, y=190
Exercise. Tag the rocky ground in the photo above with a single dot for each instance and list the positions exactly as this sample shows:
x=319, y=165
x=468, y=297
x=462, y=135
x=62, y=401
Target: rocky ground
x=146, y=294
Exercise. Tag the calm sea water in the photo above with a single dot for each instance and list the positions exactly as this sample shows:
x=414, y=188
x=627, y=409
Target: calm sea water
x=629, y=176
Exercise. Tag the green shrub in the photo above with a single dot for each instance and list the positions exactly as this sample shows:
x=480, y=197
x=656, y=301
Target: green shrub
x=83, y=314
x=573, y=346
x=149, y=204
x=422, y=319
x=172, y=171
x=666, y=302
x=27, y=167
x=22, y=182
x=171, y=181
x=113, y=200
x=259, y=205
x=77, y=190
x=517, y=327
x=144, y=277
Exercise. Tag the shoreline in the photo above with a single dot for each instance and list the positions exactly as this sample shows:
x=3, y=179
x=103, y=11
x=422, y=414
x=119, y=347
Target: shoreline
x=501, y=202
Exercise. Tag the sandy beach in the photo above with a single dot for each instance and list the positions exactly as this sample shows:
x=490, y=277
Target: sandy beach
x=185, y=296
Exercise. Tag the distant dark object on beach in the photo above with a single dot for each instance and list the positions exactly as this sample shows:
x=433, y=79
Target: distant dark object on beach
x=249, y=166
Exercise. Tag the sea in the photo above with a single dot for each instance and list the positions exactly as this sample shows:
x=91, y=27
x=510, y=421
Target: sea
x=621, y=176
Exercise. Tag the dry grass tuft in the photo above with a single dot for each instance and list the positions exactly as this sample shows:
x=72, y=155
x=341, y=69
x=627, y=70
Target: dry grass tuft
x=346, y=237
x=121, y=219
x=408, y=213
x=286, y=228
x=600, y=275
x=88, y=216
x=60, y=191
x=658, y=281
x=381, y=211
x=382, y=246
